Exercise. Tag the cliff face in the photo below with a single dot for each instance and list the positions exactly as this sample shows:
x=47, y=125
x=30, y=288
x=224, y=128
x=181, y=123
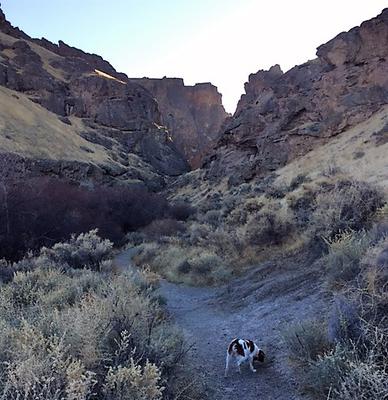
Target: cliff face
x=285, y=115
x=192, y=114
x=101, y=106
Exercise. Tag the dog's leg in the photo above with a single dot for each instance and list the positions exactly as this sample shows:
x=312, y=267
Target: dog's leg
x=239, y=361
x=251, y=364
x=227, y=364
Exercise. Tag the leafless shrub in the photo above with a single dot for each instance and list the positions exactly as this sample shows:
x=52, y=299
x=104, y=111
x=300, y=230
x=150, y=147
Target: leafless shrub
x=42, y=211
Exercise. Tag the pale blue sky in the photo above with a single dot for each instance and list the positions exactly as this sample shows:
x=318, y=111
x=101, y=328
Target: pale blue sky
x=221, y=41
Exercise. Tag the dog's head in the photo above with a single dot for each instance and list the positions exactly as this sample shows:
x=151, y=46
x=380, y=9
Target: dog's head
x=260, y=356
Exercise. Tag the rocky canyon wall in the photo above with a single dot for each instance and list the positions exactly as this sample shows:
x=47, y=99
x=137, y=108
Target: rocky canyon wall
x=282, y=116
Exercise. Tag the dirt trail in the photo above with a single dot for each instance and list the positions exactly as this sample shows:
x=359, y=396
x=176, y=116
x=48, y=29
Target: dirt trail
x=247, y=308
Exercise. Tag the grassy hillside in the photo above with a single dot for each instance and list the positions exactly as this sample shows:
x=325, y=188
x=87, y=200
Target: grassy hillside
x=30, y=130
x=360, y=152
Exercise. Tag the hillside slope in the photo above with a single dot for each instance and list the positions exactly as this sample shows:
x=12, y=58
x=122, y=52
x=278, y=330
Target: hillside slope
x=99, y=112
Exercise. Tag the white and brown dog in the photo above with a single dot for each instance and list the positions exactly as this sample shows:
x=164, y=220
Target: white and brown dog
x=243, y=350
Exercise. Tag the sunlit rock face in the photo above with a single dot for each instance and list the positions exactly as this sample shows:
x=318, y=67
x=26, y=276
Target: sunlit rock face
x=284, y=115
x=193, y=114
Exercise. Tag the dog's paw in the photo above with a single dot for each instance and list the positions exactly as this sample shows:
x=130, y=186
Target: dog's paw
x=254, y=370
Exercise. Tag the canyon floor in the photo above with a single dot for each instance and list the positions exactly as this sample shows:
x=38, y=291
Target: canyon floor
x=258, y=306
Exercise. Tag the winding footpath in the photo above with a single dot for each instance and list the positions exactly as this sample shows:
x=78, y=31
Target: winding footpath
x=210, y=318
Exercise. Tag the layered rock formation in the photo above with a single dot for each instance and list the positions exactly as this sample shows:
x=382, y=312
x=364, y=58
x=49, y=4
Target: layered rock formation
x=285, y=115
x=103, y=107
x=193, y=114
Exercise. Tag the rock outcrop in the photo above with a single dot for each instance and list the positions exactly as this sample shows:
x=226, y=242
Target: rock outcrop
x=193, y=114
x=83, y=89
x=285, y=115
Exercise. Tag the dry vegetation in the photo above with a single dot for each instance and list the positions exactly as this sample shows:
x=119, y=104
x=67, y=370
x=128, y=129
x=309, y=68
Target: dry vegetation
x=30, y=130
x=336, y=220
x=344, y=355
x=236, y=228
x=42, y=211
x=359, y=152
x=71, y=328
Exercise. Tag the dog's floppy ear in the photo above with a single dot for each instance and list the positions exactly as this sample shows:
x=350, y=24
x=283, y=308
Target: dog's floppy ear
x=261, y=355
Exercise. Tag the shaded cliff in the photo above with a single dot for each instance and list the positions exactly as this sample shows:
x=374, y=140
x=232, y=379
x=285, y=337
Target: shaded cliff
x=193, y=114
x=282, y=116
x=104, y=111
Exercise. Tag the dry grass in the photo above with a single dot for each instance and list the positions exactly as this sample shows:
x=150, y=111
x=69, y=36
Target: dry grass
x=47, y=58
x=339, y=153
x=30, y=130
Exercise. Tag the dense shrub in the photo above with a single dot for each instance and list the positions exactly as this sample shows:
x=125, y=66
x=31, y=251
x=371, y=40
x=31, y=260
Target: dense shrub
x=205, y=263
x=193, y=265
x=42, y=211
x=86, y=250
x=323, y=375
x=163, y=227
x=212, y=217
x=350, y=371
x=268, y=228
x=276, y=192
x=297, y=181
x=349, y=205
x=302, y=205
x=6, y=271
x=133, y=382
x=344, y=323
x=70, y=333
x=198, y=233
x=354, y=365
x=343, y=259
x=306, y=341
x=181, y=210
